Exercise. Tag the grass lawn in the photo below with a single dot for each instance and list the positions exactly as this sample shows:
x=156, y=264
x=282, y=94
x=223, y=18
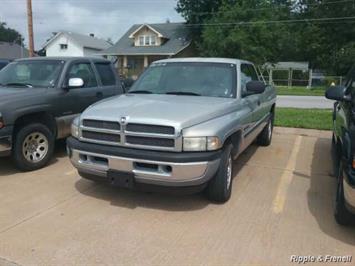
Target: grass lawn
x=304, y=118
x=300, y=91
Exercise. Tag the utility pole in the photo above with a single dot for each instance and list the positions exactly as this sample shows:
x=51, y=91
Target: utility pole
x=30, y=28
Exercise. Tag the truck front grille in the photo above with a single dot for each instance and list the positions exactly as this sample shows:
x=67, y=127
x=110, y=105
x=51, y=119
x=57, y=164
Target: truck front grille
x=157, y=142
x=158, y=137
x=102, y=124
x=101, y=136
x=151, y=129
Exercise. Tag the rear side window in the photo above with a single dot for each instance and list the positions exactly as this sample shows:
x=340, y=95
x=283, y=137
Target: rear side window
x=106, y=74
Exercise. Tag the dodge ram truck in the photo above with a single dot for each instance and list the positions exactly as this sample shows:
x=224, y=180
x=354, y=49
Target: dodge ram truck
x=180, y=126
x=40, y=97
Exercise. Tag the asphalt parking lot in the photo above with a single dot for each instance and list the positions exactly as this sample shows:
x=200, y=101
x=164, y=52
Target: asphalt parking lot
x=281, y=206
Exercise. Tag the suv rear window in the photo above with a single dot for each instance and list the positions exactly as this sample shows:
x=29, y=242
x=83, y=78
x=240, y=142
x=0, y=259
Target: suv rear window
x=106, y=74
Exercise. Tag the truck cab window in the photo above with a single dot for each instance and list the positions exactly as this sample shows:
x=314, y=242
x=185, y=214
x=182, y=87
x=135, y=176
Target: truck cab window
x=106, y=74
x=83, y=71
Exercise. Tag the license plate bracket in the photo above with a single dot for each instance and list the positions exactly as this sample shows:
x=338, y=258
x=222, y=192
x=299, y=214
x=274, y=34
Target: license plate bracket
x=121, y=179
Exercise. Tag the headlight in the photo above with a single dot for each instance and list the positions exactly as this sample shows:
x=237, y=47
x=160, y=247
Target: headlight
x=75, y=132
x=201, y=144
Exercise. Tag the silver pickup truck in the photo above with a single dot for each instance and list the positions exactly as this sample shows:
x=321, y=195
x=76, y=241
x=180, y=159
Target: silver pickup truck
x=180, y=126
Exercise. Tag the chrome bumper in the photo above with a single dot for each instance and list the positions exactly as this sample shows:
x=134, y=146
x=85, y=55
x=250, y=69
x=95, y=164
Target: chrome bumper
x=145, y=171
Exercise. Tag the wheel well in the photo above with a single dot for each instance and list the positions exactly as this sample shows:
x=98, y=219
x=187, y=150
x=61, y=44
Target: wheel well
x=39, y=117
x=235, y=139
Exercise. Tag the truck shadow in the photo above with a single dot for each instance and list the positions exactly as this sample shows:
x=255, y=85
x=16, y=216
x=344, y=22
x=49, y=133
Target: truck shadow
x=176, y=202
x=7, y=167
x=321, y=194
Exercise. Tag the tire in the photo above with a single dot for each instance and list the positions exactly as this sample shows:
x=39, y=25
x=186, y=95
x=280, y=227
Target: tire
x=220, y=186
x=265, y=137
x=33, y=147
x=341, y=214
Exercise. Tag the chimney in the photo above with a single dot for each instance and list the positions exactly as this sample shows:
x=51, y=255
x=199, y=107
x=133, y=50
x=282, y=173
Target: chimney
x=92, y=35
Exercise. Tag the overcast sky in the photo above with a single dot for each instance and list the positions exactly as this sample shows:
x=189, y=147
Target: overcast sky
x=104, y=18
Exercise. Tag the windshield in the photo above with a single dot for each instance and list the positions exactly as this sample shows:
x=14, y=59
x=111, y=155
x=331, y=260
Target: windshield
x=31, y=73
x=199, y=79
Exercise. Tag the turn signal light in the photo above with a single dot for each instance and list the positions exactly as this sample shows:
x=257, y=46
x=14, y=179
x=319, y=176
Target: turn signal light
x=353, y=164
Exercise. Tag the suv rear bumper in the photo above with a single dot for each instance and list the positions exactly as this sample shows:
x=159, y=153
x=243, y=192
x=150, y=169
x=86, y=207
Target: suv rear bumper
x=148, y=167
x=5, y=141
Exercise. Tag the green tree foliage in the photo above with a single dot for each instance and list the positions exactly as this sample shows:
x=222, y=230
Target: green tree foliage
x=9, y=35
x=275, y=30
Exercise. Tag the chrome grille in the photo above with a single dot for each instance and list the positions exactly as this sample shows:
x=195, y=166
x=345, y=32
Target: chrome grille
x=102, y=124
x=101, y=136
x=157, y=142
x=150, y=129
x=157, y=137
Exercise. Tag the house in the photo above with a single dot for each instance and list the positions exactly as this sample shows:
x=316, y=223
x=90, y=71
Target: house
x=144, y=43
x=10, y=51
x=67, y=43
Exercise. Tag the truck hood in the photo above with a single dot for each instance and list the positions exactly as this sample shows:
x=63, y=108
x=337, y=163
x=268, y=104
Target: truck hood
x=174, y=110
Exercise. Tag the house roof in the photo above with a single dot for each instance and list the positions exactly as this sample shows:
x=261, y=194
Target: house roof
x=11, y=51
x=86, y=41
x=176, y=34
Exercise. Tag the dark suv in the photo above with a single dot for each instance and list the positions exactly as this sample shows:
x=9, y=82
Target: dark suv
x=343, y=148
x=39, y=98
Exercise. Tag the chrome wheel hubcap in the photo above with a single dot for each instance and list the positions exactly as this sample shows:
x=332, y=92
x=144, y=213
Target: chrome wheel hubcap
x=229, y=172
x=35, y=147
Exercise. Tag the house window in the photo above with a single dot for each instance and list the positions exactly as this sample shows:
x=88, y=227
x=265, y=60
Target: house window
x=63, y=46
x=153, y=40
x=141, y=40
x=147, y=40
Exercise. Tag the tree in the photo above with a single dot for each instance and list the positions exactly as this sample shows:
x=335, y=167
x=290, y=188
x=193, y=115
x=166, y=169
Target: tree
x=243, y=30
x=10, y=35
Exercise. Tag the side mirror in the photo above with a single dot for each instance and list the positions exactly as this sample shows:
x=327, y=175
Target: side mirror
x=255, y=87
x=337, y=93
x=75, y=83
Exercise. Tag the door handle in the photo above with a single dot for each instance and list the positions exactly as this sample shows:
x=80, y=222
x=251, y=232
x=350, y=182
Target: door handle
x=99, y=94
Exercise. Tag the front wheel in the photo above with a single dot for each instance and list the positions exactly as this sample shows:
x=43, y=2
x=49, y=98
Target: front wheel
x=33, y=147
x=220, y=187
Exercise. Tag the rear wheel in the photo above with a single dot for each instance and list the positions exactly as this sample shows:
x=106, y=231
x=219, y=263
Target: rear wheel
x=220, y=187
x=33, y=147
x=341, y=214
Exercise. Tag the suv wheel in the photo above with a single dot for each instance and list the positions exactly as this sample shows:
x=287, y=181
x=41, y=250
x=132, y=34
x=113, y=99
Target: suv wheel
x=341, y=214
x=33, y=147
x=220, y=187
x=264, y=139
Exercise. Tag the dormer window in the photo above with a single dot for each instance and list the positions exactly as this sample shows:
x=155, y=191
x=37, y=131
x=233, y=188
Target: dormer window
x=147, y=40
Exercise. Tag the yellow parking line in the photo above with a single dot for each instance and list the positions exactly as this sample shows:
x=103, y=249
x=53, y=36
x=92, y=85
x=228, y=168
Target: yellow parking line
x=286, y=178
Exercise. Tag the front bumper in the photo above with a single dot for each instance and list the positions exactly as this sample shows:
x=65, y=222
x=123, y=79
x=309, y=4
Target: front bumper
x=6, y=140
x=349, y=189
x=148, y=167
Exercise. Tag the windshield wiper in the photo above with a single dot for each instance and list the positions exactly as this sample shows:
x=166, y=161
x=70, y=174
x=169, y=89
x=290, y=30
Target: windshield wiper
x=183, y=93
x=141, y=91
x=19, y=84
